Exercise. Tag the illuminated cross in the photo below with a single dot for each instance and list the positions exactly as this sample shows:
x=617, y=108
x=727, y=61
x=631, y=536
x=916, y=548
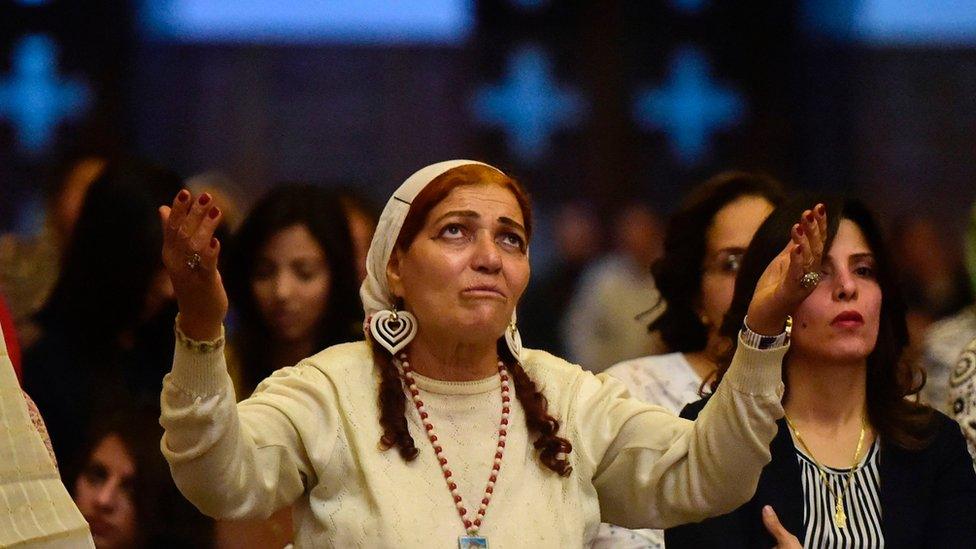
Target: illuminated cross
x=690, y=7
x=689, y=107
x=528, y=105
x=530, y=5
x=33, y=98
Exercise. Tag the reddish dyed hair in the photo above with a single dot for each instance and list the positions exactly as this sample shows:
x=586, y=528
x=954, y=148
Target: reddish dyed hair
x=442, y=185
x=392, y=398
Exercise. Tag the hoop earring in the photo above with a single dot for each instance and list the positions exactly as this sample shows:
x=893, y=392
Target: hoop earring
x=513, y=340
x=393, y=329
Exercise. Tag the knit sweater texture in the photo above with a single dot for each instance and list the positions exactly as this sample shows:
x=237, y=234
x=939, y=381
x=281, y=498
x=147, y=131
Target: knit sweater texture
x=309, y=436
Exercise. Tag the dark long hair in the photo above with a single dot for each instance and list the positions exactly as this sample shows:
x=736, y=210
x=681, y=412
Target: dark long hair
x=319, y=211
x=113, y=256
x=165, y=518
x=678, y=273
x=392, y=398
x=890, y=379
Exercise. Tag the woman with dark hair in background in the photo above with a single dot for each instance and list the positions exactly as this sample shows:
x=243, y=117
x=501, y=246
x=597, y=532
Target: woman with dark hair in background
x=703, y=249
x=291, y=276
x=855, y=463
x=124, y=489
x=29, y=264
x=108, y=323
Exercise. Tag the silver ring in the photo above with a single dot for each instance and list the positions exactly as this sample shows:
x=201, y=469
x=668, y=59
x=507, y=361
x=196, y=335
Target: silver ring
x=193, y=261
x=810, y=280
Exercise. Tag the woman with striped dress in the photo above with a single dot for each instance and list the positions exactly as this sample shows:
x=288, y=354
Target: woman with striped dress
x=855, y=463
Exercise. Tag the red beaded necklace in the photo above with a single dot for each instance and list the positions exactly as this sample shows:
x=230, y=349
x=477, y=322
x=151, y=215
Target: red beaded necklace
x=472, y=526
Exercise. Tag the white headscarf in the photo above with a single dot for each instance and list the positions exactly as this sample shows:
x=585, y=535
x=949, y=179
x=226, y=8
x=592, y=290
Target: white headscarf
x=375, y=291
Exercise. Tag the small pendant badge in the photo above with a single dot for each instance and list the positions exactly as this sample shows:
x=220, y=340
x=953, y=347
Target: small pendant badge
x=840, y=517
x=472, y=542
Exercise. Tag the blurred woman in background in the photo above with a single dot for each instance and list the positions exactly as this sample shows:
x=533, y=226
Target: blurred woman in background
x=124, y=489
x=292, y=280
x=703, y=249
x=30, y=263
x=109, y=321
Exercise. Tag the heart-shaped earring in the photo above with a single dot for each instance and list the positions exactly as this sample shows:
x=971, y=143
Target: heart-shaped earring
x=393, y=329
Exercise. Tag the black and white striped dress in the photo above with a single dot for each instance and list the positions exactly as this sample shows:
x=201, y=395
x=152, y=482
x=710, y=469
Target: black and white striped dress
x=862, y=504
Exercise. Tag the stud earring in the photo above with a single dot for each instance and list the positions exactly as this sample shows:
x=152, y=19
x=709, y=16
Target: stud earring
x=513, y=340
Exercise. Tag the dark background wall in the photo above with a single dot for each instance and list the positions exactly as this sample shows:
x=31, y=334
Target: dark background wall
x=808, y=91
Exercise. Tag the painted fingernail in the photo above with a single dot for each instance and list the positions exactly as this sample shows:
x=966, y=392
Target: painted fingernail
x=183, y=195
x=214, y=212
x=213, y=242
x=821, y=209
x=810, y=217
x=799, y=229
x=204, y=199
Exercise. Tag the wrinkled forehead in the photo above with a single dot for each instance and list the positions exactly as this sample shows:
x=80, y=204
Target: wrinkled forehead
x=480, y=198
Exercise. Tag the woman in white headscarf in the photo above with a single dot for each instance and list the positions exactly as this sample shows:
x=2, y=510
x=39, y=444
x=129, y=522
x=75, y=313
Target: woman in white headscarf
x=440, y=429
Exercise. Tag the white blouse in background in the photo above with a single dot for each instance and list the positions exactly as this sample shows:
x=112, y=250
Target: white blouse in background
x=665, y=380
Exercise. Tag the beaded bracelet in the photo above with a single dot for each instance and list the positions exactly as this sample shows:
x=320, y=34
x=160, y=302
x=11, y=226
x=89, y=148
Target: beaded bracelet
x=195, y=345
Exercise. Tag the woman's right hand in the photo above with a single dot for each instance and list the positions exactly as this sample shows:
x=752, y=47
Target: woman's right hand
x=779, y=290
x=190, y=254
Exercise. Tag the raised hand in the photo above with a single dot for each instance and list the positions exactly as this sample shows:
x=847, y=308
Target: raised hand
x=781, y=287
x=190, y=254
x=784, y=539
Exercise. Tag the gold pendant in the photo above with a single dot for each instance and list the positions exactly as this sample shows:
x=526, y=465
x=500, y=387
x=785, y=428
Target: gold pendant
x=840, y=517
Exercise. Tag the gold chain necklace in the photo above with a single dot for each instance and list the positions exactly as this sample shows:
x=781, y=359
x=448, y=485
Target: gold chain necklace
x=840, y=517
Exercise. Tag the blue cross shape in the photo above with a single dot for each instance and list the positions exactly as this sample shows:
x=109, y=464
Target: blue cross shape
x=690, y=107
x=33, y=98
x=529, y=5
x=690, y=7
x=528, y=105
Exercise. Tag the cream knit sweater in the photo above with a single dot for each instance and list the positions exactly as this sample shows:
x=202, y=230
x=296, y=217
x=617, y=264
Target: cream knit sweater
x=309, y=436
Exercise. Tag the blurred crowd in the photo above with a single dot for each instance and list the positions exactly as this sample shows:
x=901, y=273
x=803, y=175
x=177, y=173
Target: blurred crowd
x=87, y=312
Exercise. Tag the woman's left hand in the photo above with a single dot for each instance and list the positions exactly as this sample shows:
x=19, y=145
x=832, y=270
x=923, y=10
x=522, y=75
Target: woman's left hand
x=780, y=290
x=784, y=539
